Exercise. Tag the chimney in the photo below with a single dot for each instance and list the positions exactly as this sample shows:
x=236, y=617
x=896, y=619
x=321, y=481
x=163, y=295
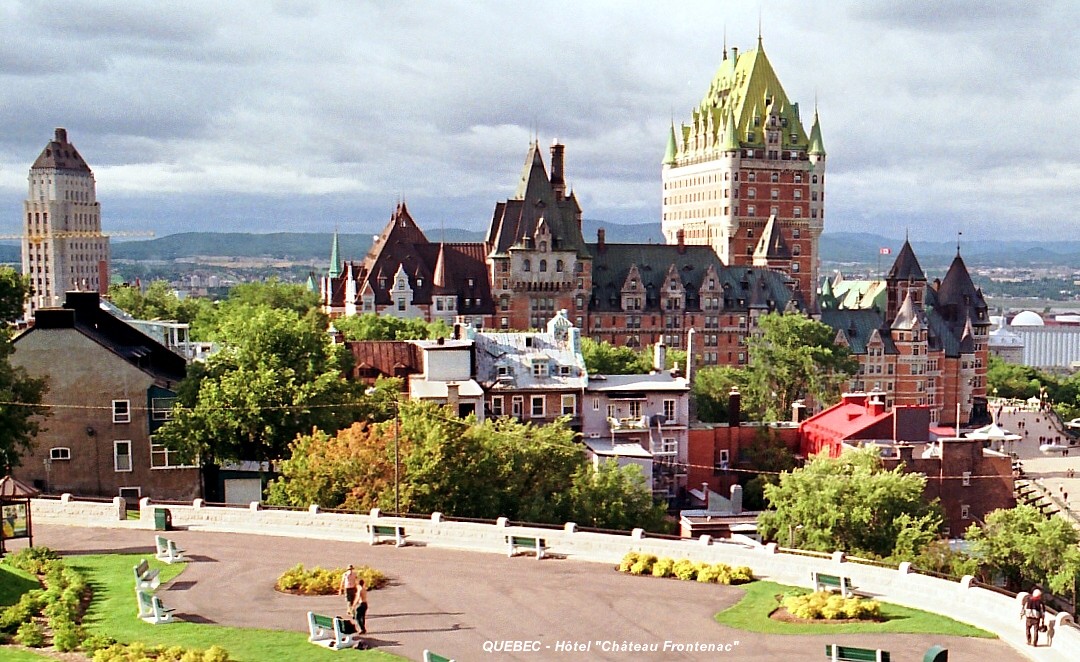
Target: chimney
x=705, y=494
x=452, y=397
x=680, y=237
x=441, y=341
x=875, y=404
x=734, y=406
x=689, y=353
x=736, y=499
x=457, y=330
x=798, y=411
x=557, y=181
x=906, y=452
x=659, y=355
x=735, y=54
x=600, y=240
x=61, y=135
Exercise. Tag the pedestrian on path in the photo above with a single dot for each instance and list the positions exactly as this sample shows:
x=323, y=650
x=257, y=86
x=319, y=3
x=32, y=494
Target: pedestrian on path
x=1033, y=611
x=349, y=582
x=359, y=608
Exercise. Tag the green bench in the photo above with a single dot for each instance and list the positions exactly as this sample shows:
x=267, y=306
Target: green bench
x=852, y=654
x=167, y=550
x=151, y=608
x=532, y=543
x=395, y=531
x=435, y=657
x=329, y=631
x=824, y=582
x=145, y=578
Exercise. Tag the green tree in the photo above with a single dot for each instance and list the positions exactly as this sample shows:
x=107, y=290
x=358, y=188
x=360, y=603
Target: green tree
x=853, y=504
x=159, y=302
x=20, y=394
x=711, y=390
x=613, y=497
x=371, y=326
x=794, y=357
x=276, y=376
x=1025, y=547
x=603, y=358
x=769, y=455
x=1011, y=380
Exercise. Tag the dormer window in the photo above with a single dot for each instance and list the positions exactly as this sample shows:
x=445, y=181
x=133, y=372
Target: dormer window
x=419, y=282
x=540, y=368
x=543, y=246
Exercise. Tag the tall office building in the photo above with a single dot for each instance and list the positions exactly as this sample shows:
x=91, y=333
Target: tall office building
x=744, y=177
x=63, y=248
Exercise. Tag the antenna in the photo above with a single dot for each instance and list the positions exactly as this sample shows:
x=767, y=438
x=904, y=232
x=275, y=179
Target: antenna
x=958, y=235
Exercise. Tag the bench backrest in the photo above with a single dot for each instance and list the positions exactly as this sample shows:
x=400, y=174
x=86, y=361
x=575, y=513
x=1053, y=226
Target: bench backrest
x=852, y=654
x=435, y=657
x=522, y=541
x=827, y=579
x=386, y=529
x=325, y=622
x=142, y=569
x=160, y=542
x=146, y=600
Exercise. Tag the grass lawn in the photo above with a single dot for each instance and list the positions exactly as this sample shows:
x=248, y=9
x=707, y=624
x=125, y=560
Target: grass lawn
x=112, y=612
x=13, y=583
x=752, y=614
x=19, y=655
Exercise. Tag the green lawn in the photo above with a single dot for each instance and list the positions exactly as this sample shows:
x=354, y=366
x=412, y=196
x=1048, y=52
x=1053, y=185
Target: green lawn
x=17, y=655
x=112, y=612
x=752, y=614
x=13, y=583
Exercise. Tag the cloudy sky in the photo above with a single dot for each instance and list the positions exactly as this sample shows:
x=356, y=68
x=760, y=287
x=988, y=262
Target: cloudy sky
x=302, y=115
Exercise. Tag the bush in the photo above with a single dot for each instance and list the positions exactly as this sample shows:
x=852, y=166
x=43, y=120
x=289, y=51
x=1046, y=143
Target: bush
x=831, y=606
x=714, y=574
x=644, y=565
x=742, y=575
x=663, y=567
x=32, y=559
x=96, y=642
x=685, y=569
x=30, y=634
x=139, y=651
x=28, y=606
x=66, y=636
x=321, y=581
x=628, y=561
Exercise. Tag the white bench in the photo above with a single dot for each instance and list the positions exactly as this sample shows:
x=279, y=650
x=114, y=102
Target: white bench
x=167, y=550
x=328, y=631
x=534, y=543
x=151, y=608
x=395, y=531
x=145, y=578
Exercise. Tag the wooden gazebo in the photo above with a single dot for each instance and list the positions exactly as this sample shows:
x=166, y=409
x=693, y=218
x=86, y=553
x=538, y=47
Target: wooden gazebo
x=15, y=519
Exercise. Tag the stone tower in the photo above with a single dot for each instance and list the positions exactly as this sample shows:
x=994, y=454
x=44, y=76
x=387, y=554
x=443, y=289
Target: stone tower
x=743, y=158
x=63, y=248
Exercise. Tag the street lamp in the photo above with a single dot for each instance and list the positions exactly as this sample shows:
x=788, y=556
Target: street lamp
x=397, y=463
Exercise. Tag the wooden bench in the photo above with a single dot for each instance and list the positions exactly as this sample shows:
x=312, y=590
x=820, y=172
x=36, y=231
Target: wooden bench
x=145, y=578
x=329, y=631
x=435, y=657
x=395, y=531
x=151, y=608
x=514, y=543
x=167, y=550
x=824, y=582
x=852, y=654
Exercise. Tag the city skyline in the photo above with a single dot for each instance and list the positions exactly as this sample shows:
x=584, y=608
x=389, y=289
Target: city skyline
x=307, y=117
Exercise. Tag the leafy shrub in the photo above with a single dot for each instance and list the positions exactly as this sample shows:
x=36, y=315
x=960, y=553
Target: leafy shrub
x=685, y=569
x=322, y=581
x=628, y=561
x=831, y=606
x=139, y=651
x=742, y=575
x=96, y=642
x=644, y=565
x=29, y=604
x=710, y=574
x=664, y=567
x=30, y=634
x=66, y=636
x=216, y=654
x=31, y=559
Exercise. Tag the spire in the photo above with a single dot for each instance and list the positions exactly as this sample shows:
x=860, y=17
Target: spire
x=335, y=258
x=731, y=141
x=672, y=149
x=906, y=266
x=909, y=314
x=771, y=246
x=439, y=279
x=817, y=147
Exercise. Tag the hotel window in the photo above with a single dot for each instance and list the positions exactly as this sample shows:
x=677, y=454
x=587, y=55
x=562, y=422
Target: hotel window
x=401, y=303
x=526, y=265
x=635, y=410
x=161, y=408
x=596, y=404
x=539, y=369
x=121, y=411
x=122, y=455
x=537, y=406
x=750, y=210
x=569, y=405
x=774, y=193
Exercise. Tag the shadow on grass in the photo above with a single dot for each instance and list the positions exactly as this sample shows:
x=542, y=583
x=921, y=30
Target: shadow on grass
x=194, y=618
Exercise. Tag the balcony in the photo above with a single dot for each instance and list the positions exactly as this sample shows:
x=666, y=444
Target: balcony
x=632, y=424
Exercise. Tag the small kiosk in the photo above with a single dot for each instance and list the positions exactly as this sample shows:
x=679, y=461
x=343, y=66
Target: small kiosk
x=15, y=519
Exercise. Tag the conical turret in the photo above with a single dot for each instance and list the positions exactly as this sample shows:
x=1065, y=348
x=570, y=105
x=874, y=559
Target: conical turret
x=335, y=258
x=817, y=147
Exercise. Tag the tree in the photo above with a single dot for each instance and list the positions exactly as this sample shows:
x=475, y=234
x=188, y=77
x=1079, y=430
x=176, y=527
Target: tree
x=795, y=357
x=1025, y=547
x=276, y=376
x=711, y=391
x=159, y=302
x=603, y=358
x=271, y=294
x=21, y=394
x=769, y=455
x=1010, y=380
x=853, y=504
x=371, y=326
x=613, y=497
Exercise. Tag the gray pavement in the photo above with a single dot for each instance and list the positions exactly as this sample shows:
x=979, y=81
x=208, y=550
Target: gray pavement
x=453, y=601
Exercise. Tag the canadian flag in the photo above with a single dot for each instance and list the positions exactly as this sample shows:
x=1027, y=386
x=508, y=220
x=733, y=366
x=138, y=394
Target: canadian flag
x=885, y=251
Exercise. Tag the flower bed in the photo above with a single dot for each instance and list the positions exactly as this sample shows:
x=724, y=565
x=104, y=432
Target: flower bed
x=685, y=569
x=828, y=606
x=323, y=581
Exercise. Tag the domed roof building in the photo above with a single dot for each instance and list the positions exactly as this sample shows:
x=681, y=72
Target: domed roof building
x=1027, y=318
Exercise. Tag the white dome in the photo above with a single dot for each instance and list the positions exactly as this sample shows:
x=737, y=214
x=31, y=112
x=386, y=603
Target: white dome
x=1027, y=318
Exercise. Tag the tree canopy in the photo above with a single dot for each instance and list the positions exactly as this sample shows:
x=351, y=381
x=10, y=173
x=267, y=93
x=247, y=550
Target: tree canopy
x=370, y=326
x=1026, y=547
x=1009, y=380
x=852, y=504
x=158, y=302
x=20, y=394
x=603, y=358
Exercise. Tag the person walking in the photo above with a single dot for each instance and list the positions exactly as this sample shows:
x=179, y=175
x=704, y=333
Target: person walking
x=1032, y=611
x=348, y=585
x=359, y=608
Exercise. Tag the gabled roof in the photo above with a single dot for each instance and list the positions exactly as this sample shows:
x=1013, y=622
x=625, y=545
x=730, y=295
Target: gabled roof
x=906, y=266
x=387, y=357
x=82, y=312
x=909, y=316
x=612, y=263
x=771, y=245
x=59, y=154
x=857, y=327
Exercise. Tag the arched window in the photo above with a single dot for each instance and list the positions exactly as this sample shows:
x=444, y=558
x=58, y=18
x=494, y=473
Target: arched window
x=526, y=266
x=543, y=266
x=559, y=266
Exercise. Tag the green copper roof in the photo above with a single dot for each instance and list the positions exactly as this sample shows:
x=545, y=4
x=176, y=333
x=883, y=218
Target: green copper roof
x=731, y=143
x=669, y=154
x=816, y=146
x=335, y=258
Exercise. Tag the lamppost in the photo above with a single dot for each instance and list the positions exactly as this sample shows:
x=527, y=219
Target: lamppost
x=397, y=435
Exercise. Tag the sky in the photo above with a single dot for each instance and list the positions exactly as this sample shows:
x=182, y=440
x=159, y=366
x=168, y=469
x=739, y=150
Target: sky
x=306, y=116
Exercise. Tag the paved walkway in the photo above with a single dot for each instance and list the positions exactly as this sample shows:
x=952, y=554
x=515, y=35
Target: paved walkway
x=453, y=601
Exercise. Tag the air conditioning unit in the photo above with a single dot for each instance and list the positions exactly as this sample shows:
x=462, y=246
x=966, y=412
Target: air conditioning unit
x=594, y=435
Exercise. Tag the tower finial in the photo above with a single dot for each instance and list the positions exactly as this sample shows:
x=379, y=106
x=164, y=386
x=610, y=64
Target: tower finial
x=725, y=40
x=958, y=235
x=759, y=28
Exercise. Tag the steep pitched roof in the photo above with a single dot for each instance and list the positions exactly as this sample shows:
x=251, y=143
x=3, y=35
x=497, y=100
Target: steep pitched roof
x=909, y=316
x=906, y=266
x=857, y=327
x=957, y=299
x=394, y=358
x=335, y=258
x=816, y=144
x=772, y=245
x=59, y=154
